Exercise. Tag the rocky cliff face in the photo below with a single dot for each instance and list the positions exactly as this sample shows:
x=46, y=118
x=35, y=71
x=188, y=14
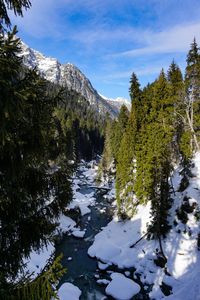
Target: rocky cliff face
x=70, y=76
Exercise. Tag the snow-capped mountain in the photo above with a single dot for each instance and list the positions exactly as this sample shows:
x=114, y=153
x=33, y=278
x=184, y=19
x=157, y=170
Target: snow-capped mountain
x=118, y=102
x=70, y=76
x=121, y=101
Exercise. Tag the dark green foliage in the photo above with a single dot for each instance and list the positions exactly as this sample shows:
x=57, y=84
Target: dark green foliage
x=182, y=215
x=44, y=129
x=134, y=90
x=192, y=103
x=163, y=129
x=125, y=168
x=158, y=134
x=107, y=158
x=42, y=287
x=185, y=146
x=184, y=182
x=82, y=126
x=192, y=76
x=16, y=5
x=175, y=78
x=126, y=155
x=33, y=190
x=193, y=57
x=118, y=129
x=153, y=171
x=154, y=156
x=114, y=130
x=147, y=148
x=177, y=94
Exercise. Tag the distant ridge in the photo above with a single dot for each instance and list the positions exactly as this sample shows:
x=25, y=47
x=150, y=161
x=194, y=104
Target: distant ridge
x=70, y=76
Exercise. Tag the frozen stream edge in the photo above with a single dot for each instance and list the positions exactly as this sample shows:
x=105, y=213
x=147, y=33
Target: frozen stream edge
x=111, y=245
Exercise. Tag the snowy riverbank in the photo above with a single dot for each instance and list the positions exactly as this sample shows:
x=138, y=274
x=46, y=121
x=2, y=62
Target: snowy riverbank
x=38, y=259
x=113, y=246
x=180, y=277
x=81, y=204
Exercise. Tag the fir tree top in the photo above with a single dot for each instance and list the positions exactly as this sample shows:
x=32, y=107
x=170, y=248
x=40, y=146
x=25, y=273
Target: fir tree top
x=193, y=54
x=134, y=87
x=174, y=74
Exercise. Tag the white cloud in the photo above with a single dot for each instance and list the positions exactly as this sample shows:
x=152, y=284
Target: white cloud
x=150, y=69
x=50, y=18
x=107, y=27
x=173, y=40
x=103, y=34
x=42, y=19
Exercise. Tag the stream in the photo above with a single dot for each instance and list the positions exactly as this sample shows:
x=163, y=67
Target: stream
x=83, y=271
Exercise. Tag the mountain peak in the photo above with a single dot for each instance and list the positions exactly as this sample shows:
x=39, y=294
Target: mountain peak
x=70, y=76
x=118, y=102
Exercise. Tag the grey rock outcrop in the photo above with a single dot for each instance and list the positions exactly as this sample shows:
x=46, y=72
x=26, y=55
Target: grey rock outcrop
x=68, y=75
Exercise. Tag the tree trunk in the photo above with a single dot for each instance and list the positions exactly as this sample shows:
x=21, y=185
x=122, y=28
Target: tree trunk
x=190, y=122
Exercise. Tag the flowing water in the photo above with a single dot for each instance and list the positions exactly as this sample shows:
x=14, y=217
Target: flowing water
x=82, y=270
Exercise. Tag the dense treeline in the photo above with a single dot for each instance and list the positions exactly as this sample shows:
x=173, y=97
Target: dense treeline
x=114, y=130
x=82, y=125
x=44, y=131
x=161, y=130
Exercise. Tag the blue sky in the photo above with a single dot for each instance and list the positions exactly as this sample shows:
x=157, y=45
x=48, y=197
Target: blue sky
x=109, y=39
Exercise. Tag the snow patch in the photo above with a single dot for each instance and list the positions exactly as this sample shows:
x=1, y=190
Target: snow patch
x=116, y=244
x=78, y=233
x=38, y=259
x=68, y=291
x=122, y=288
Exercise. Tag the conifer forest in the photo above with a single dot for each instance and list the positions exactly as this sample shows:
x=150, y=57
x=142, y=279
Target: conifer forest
x=99, y=199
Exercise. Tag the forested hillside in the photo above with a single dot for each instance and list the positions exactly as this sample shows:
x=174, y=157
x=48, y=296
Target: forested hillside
x=45, y=131
x=92, y=205
x=161, y=132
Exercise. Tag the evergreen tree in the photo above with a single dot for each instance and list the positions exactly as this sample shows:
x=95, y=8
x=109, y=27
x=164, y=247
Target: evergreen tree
x=118, y=129
x=114, y=131
x=82, y=126
x=43, y=128
x=192, y=79
x=159, y=153
x=41, y=287
x=134, y=89
x=175, y=79
x=156, y=174
x=192, y=59
x=16, y=5
x=153, y=153
x=162, y=129
x=107, y=159
x=33, y=191
x=125, y=170
x=177, y=94
x=126, y=157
